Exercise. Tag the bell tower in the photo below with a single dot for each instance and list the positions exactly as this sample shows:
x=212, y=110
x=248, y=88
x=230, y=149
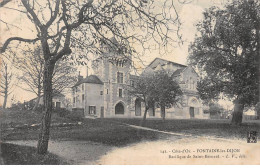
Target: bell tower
x=113, y=68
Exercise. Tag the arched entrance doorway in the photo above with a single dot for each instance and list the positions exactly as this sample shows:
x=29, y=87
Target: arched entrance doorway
x=138, y=107
x=193, y=103
x=119, y=108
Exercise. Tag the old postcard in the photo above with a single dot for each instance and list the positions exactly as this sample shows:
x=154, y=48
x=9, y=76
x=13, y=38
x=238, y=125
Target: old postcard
x=130, y=82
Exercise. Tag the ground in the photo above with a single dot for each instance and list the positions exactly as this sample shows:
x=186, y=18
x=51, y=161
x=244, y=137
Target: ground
x=93, y=141
x=196, y=127
x=24, y=155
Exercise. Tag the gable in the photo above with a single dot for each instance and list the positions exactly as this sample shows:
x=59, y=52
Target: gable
x=189, y=72
x=164, y=62
x=156, y=62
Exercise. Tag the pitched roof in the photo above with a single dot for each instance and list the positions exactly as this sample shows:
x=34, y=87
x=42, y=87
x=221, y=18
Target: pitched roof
x=164, y=62
x=89, y=79
x=177, y=72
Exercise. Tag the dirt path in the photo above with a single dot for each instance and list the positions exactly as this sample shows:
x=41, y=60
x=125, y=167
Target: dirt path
x=196, y=151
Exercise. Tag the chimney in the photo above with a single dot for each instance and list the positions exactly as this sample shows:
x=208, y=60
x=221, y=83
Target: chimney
x=80, y=77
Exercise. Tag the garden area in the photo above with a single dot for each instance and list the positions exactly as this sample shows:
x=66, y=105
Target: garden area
x=25, y=126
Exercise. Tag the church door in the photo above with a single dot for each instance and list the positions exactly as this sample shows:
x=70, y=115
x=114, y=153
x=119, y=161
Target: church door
x=119, y=109
x=191, y=112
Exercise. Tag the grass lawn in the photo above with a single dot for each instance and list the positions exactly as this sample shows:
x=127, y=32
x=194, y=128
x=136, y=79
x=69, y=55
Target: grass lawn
x=16, y=117
x=24, y=155
x=216, y=128
x=98, y=130
x=114, y=132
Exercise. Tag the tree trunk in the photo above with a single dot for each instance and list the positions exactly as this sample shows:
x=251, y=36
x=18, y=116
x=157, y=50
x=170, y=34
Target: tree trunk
x=47, y=99
x=163, y=112
x=144, y=117
x=238, y=113
x=37, y=102
x=5, y=100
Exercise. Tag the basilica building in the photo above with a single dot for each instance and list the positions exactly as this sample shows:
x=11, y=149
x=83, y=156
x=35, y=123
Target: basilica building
x=103, y=95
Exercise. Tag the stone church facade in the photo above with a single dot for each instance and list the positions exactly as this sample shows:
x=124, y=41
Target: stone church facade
x=103, y=95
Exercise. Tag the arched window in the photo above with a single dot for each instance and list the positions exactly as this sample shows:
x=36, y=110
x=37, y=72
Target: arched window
x=119, y=109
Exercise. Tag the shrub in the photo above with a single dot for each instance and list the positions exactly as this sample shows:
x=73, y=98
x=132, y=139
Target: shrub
x=62, y=112
x=76, y=115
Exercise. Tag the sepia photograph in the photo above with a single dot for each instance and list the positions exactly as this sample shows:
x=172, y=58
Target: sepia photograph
x=129, y=82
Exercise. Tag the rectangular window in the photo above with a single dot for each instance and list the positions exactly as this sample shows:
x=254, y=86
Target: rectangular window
x=107, y=91
x=120, y=93
x=119, y=77
x=74, y=99
x=92, y=110
x=83, y=97
x=82, y=86
x=102, y=112
x=58, y=104
x=101, y=92
x=132, y=83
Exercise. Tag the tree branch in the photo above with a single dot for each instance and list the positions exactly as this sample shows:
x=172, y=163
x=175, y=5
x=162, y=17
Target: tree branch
x=4, y=2
x=30, y=10
x=2, y=50
x=55, y=14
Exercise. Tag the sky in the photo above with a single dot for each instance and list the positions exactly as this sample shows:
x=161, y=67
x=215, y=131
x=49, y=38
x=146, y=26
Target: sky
x=189, y=13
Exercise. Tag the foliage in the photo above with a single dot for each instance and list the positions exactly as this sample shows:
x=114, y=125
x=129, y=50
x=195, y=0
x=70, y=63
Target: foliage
x=215, y=109
x=17, y=106
x=144, y=88
x=156, y=87
x=62, y=112
x=227, y=51
x=167, y=91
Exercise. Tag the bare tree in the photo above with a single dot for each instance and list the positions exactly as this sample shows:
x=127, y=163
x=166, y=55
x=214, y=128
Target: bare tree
x=63, y=75
x=32, y=67
x=85, y=25
x=6, y=76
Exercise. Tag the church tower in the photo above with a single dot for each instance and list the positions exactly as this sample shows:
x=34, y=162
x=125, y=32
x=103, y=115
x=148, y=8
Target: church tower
x=113, y=68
